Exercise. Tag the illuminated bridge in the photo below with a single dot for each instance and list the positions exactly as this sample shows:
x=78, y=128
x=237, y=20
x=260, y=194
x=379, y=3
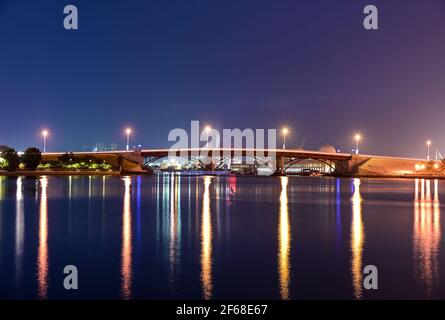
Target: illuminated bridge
x=278, y=160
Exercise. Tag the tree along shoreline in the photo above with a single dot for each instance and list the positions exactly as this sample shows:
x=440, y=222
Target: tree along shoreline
x=32, y=162
x=49, y=172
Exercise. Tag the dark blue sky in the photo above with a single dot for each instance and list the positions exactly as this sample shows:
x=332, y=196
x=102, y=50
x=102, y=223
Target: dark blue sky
x=156, y=65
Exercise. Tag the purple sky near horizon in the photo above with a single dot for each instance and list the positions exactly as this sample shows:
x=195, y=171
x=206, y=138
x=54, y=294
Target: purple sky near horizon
x=157, y=65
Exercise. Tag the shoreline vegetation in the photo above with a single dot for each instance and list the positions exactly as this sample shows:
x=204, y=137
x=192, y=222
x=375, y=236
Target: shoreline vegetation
x=31, y=163
x=25, y=173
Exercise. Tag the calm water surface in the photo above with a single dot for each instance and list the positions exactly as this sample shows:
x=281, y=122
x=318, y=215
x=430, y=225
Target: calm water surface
x=174, y=237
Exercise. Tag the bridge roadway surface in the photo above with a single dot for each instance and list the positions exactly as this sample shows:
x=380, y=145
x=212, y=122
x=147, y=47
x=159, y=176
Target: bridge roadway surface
x=215, y=152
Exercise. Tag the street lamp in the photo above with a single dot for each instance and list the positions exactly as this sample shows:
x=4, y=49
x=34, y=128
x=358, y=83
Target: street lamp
x=284, y=131
x=207, y=130
x=357, y=139
x=44, y=135
x=428, y=143
x=128, y=132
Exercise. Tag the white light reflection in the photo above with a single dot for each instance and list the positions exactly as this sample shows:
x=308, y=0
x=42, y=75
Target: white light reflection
x=19, y=230
x=284, y=238
x=206, y=242
x=42, y=257
x=357, y=240
x=126, y=260
x=426, y=234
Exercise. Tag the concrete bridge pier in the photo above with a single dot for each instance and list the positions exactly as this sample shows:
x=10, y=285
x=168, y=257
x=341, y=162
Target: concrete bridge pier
x=131, y=162
x=279, y=170
x=348, y=167
x=212, y=165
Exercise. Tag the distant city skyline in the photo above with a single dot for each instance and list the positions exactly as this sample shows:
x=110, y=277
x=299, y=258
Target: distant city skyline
x=252, y=64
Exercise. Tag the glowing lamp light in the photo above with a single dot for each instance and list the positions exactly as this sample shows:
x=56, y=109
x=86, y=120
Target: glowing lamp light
x=428, y=143
x=207, y=130
x=420, y=167
x=285, y=131
x=128, y=131
x=45, y=134
x=357, y=138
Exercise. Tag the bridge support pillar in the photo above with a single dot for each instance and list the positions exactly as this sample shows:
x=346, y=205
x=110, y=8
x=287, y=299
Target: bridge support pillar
x=210, y=166
x=350, y=167
x=279, y=171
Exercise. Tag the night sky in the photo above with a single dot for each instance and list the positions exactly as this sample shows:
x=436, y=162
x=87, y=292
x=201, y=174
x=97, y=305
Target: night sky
x=157, y=65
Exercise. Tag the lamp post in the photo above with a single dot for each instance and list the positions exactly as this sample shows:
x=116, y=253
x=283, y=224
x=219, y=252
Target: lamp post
x=428, y=143
x=44, y=135
x=357, y=140
x=284, y=131
x=128, y=132
x=207, y=129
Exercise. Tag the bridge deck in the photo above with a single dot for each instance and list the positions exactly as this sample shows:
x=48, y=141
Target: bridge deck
x=293, y=153
x=247, y=152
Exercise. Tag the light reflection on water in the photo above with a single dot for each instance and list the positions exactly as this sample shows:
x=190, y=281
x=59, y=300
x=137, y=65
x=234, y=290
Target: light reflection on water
x=284, y=241
x=173, y=236
x=175, y=229
x=19, y=230
x=42, y=258
x=426, y=234
x=357, y=239
x=126, y=268
x=206, y=242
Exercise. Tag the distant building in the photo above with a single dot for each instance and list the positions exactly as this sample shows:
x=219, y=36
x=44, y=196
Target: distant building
x=101, y=146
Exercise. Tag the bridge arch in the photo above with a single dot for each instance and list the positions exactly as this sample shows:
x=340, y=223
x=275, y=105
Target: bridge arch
x=291, y=162
x=259, y=159
x=197, y=162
